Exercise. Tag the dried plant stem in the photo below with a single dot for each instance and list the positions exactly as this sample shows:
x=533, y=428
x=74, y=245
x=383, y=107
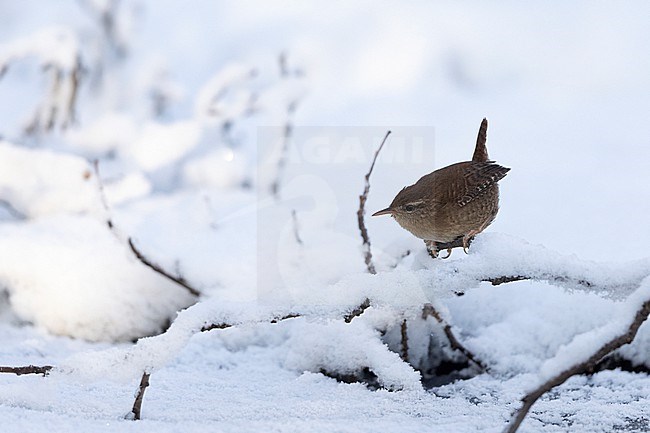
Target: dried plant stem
x=362, y=210
x=529, y=399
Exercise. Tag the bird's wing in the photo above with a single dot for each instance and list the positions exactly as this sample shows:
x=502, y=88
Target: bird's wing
x=479, y=178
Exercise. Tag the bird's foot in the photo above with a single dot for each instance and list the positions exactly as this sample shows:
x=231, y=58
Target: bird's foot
x=467, y=240
x=432, y=248
x=448, y=254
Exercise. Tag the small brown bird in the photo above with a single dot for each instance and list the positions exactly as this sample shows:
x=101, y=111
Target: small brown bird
x=450, y=206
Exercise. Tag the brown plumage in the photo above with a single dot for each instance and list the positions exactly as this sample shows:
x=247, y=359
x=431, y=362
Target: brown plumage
x=453, y=203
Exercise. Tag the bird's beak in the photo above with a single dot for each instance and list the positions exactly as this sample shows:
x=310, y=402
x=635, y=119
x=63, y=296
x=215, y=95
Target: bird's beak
x=386, y=211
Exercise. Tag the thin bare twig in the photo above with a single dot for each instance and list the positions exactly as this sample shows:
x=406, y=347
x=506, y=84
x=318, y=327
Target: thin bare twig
x=139, y=397
x=430, y=310
x=178, y=280
x=28, y=369
x=529, y=399
x=138, y=254
x=362, y=210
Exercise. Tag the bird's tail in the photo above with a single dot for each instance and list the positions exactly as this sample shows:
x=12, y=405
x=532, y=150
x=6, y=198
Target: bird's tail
x=481, y=153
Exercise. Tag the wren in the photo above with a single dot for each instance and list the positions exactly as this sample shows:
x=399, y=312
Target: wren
x=448, y=207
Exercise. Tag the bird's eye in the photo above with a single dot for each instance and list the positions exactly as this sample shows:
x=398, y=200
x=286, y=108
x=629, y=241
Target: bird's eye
x=409, y=208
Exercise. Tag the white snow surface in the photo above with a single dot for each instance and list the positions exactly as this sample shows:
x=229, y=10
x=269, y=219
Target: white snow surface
x=186, y=111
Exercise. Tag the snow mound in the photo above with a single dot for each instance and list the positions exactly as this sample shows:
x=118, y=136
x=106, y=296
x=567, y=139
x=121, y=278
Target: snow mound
x=72, y=276
x=42, y=182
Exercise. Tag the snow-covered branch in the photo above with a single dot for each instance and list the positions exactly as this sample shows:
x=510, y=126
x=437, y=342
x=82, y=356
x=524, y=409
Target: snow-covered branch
x=586, y=350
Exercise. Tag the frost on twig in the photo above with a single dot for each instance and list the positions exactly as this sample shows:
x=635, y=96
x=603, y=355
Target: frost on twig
x=29, y=369
x=580, y=367
x=362, y=210
x=58, y=54
x=136, y=411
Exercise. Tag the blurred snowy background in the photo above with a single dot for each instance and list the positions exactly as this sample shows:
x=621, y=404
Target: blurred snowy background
x=185, y=107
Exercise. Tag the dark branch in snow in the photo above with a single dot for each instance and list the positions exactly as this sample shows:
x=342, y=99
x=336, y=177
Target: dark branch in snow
x=495, y=281
x=404, y=341
x=212, y=326
x=223, y=325
x=529, y=399
x=288, y=316
x=29, y=369
x=362, y=210
x=357, y=311
x=139, y=396
x=178, y=280
x=430, y=310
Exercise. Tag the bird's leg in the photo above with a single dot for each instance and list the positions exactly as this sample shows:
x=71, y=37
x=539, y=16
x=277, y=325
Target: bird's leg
x=448, y=254
x=467, y=240
x=469, y=237
x=432, y=248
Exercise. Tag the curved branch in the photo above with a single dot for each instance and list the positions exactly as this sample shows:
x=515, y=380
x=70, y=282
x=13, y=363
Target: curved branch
x=178, y=280
x=529, y=399
x=430, y=310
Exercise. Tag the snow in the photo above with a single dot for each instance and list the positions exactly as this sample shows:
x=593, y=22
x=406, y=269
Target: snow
x=42, y=182
x=186, y=111
x=76, y=291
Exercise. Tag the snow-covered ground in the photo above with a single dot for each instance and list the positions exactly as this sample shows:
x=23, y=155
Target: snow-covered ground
x=187, y=108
